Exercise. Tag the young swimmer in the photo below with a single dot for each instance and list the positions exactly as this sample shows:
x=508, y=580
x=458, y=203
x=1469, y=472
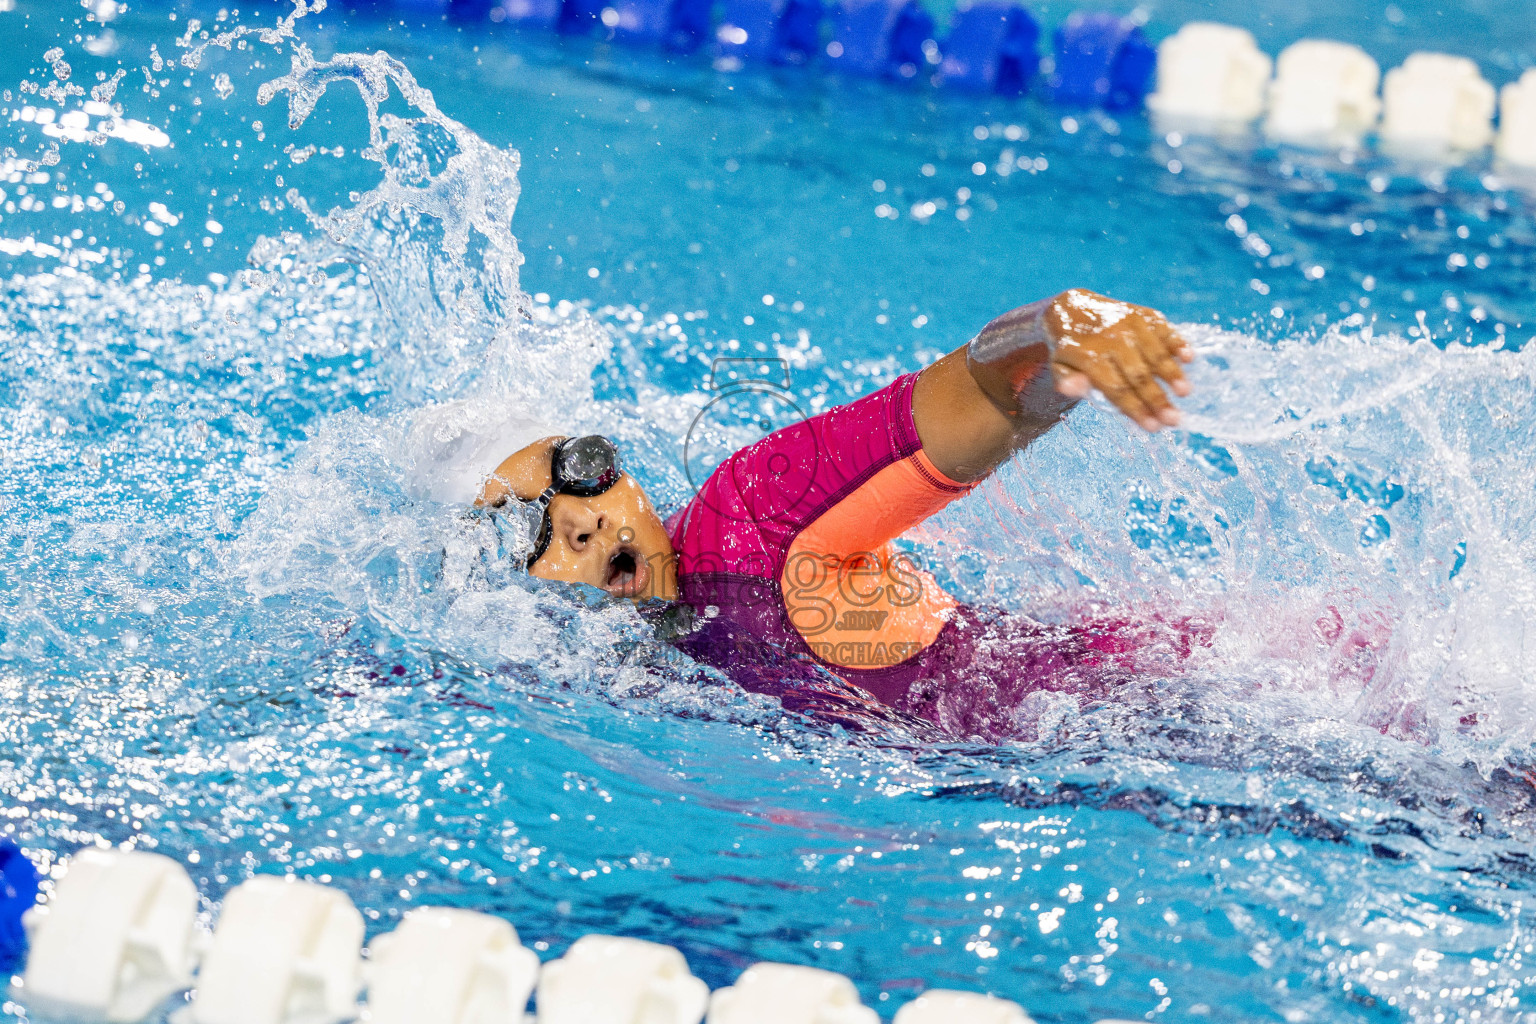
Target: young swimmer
x=786, y=554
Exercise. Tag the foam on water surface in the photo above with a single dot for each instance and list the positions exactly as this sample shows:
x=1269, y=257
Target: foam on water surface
x=244, y=621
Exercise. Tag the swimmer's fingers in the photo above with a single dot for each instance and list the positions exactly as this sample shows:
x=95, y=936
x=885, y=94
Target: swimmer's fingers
x=1141, y=378
x=1171, y=340
x=1164, y=362
x=1167, y=368
x=1162, y=348
x=1124, y=379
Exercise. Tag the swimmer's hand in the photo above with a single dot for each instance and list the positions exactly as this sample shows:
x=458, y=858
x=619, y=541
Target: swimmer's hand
x=1035, y=362
x=1016, y=379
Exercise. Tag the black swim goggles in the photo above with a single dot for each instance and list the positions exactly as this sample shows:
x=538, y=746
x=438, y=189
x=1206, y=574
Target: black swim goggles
x=582, y=467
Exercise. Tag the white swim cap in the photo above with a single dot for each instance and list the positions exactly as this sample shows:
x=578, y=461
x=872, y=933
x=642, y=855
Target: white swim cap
x=454, y=446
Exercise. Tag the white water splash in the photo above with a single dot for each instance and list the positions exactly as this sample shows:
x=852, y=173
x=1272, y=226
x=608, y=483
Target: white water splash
x=442, y=212
x=1354, y=512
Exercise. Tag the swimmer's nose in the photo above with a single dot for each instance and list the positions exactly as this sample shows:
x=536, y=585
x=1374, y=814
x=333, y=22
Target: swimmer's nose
x=578, y=524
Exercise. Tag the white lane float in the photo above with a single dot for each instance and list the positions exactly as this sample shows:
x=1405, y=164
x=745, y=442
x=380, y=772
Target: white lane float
x=1324, y=92
x=284, y=952
x=1437, y=101
x=447, y=966
x=119, y=935
x=619, y=980
x=1210, y=72
x=769, y=993
x=943, y=1006
x=114, y=940
x=1517, y=122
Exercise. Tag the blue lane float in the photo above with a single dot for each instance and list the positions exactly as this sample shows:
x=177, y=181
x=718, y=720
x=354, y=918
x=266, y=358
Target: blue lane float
x=18, y=894
x=536, y=13
x=882, y=38
x=992, y=47
x=677, y=25
x=913, y=42
x=681, y=26
x=1214, y=73
x=579, y=16
x=1102, y=59
x=800, y=30
x=776, y=31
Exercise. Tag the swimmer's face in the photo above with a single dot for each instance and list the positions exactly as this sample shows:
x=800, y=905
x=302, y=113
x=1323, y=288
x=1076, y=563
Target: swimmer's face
x=613, y=541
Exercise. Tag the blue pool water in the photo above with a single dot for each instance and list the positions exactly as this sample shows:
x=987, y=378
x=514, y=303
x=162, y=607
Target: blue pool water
x=233, y=630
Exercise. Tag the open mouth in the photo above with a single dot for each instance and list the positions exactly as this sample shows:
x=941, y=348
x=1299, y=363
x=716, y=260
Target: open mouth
x=628, y=574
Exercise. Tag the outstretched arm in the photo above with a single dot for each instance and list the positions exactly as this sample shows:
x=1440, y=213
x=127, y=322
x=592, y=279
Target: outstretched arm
x=1026, y=368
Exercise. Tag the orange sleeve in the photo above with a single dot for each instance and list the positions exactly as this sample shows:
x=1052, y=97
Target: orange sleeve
x=855, y=600
x=881, y=509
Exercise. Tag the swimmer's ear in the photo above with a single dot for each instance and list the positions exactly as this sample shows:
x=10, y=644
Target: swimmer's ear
x=495, y=490
x=485, y=500
x=531, y=458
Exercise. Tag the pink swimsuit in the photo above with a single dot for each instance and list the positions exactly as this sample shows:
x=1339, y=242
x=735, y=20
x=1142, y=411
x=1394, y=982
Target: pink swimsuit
x=786, y=551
